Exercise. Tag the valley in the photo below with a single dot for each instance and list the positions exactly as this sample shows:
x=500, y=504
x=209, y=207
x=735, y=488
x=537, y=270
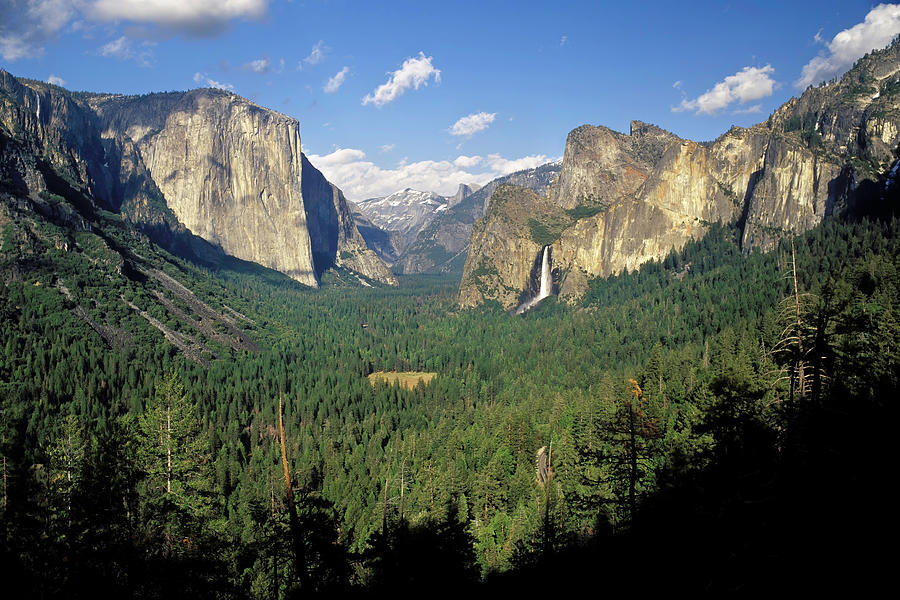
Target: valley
x=219, y=377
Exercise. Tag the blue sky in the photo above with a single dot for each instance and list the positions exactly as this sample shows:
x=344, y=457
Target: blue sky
x=431, y=94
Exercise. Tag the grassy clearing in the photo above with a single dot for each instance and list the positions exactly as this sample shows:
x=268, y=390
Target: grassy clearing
x=407, y=379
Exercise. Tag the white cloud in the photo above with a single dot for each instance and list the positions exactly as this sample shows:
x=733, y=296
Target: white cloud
x=193, y=17
x=260, y=65
x=466, y=162
x=748, y=84
x=414, y=72
x=334, y=83
x=341, y=156
x=53, y=79
x=316, y=55
x=472, y=124
x=123, y=49
x=120, y=48
x=750, y=110
x=26, y=27
x=206, y=81
x=563, y=40
x=360, y=178
x=388, y=147
x=502, y=166
x=880, y=26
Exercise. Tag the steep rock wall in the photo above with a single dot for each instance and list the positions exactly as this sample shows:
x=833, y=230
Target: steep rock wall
x=230, y=170
x=234, y=174
x=501, y=269
x=51, y=125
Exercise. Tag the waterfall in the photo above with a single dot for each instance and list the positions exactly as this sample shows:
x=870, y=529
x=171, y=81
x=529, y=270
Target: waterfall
x=38, y=96
x=546, y=287
x=546, y=276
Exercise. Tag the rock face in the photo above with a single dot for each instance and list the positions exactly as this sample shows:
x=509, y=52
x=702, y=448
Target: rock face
x=442, y=246
x=230, y=170
x=506, y=280
x=622, y=200
x=54, y=155
x=600, y=163
x=44, y=129
x=177, y=166
x=234, y=174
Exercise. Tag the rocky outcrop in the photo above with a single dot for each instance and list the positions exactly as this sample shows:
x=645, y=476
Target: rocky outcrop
x=600, y=164
x=539, y=179
x=177, y=166
x=230, y=170
x=50, y=136
x=506, y=272
x=622, y=200
x=54, y=151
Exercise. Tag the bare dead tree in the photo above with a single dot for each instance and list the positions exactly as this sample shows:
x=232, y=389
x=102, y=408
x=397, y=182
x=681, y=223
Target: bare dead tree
x=296, y=534
x=796, y=347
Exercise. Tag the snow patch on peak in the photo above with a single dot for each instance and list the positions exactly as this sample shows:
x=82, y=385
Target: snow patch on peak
x=407, y=211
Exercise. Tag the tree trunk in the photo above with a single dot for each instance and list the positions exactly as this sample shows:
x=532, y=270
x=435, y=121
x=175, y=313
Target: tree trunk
x=292, y=508
x=169, y=449
x=801, y=375
x=633, y=474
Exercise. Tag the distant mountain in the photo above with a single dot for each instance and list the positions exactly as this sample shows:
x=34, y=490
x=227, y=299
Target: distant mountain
x=386, y=244
x=390, y=223
x=442, y=245
x=405, y=212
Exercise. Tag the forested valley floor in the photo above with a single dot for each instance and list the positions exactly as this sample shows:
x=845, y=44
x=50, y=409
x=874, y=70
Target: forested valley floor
x=712, y=422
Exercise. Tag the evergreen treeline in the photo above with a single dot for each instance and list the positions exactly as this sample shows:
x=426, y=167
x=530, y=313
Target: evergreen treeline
x=712, y=421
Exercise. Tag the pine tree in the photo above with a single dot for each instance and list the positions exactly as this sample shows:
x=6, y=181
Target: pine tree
x=175, y=454
x=796, y=346
x=67, y=458
x=631, y=437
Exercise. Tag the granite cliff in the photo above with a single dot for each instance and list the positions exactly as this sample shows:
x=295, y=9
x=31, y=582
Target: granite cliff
x=335, y=239
x=200, y=172
x=622, y=200
x=234, y=174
